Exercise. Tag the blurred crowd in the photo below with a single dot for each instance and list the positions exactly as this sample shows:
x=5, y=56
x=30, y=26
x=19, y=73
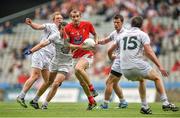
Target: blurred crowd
x=161, y=34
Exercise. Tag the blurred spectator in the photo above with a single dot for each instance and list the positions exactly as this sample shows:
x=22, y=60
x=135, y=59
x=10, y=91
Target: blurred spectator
x=1, y=29
x=22, y=77
x=176, y=66
x=3, y=44
x=8, y=28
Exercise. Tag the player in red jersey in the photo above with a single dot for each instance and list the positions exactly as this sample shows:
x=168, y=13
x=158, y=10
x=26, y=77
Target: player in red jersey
x=78, y=31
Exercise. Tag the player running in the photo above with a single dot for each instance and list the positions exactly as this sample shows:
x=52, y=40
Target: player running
x=59, y=65
x=78, y=31
x=40, y=59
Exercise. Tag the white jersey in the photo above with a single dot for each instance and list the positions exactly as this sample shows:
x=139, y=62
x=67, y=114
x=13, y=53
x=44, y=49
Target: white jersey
x=131, y=45
x=50, y=28
x=114, y=37
x=41, y=58
x=62, y=55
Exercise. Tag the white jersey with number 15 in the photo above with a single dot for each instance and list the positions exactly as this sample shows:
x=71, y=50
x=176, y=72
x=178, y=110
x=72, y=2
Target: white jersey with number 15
x=131, y=43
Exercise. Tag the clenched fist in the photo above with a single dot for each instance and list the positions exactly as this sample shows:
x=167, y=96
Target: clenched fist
x=28, y=21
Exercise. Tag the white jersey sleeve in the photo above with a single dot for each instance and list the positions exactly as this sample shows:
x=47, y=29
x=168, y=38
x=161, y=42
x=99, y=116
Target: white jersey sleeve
x=47, y=27
x=111, y=36
x=53, y=37
x=145, y=39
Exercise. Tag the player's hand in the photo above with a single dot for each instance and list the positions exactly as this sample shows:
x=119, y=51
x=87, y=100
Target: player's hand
x=163, y=71
x=27, y=52
x=87, y=47
x=28, y=21
x=99, y=42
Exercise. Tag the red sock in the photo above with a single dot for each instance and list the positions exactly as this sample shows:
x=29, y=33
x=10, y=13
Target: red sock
x=91, y=87
x=91, y=99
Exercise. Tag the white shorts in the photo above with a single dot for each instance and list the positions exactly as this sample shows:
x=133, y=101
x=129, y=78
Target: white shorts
x=86, y=57
x=40, y=60
x=136, y=74
x=59, y=68
x=116, y=65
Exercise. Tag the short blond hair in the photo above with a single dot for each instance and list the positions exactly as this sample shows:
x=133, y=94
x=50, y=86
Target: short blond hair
x=54, y=14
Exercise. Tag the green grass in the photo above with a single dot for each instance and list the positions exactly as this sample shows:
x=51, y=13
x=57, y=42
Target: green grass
x=12, y=109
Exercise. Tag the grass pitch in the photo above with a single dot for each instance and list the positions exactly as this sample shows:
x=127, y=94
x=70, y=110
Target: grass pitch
x=77, y=110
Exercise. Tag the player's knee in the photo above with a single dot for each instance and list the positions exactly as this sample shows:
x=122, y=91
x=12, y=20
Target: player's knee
x=55, y=85
x=78, y=69
x=109, y=83
x=82, y=83
x=115, y=85
x=157, y=79
x=35, y=76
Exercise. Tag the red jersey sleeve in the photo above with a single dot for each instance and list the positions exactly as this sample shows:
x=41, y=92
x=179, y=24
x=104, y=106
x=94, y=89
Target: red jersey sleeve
x=91, y=28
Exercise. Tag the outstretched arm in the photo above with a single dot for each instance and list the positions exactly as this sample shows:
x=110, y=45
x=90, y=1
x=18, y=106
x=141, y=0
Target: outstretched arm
x=35, y=26
x=104, y=41
x=39, y=46
x=151, y=55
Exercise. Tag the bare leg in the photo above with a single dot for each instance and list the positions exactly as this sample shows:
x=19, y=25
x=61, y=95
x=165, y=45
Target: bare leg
x=117, y=89
x=58, y=80
x=83, y=77
x=35, y=74
x=153, y=75
x=44, y=85
x=142, y=92
x=109, y=87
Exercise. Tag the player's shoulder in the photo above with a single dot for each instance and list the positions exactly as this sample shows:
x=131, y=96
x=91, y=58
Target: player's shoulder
x=69, y=26
x=143, y=34
x=113, y=32
x=86, y=22
x=50, y=24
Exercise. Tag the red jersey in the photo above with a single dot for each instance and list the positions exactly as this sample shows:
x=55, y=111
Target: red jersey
x=78, y=35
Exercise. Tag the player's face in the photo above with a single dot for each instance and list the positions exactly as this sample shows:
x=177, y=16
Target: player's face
x=76, y=18
x=117, y=24
x=58, y=19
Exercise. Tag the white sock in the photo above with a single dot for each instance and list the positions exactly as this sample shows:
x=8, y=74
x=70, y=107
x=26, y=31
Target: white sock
x=122, y=100
x=36, y=98
x=45, y=103
x=106, y=101
x=164, y=99
x=144, y=104
x=22, y=94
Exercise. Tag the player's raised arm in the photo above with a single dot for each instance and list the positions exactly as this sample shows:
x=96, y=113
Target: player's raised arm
x=35, y=26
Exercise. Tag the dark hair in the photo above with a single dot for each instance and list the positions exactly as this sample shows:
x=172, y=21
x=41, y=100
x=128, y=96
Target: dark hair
x=62, y=24
x=118, y=16
x=75, y=11
x=137, y=21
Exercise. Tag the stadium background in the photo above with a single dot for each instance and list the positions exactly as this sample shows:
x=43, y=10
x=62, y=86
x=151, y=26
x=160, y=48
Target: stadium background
x=162, y=23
